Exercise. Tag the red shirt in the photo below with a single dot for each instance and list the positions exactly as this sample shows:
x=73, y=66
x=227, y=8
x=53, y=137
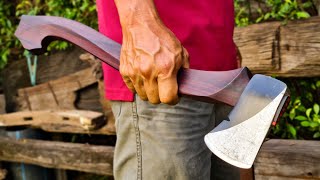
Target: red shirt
x=204, y=27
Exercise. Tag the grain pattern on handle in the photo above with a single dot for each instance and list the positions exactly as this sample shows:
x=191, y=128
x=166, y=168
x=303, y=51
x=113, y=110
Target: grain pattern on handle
x=36, y=32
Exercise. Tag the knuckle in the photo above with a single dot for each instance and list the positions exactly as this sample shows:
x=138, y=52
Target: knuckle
x=146, y=69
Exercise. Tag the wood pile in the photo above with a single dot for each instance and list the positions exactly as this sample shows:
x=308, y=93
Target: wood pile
x=68, y=98
x=59, y=89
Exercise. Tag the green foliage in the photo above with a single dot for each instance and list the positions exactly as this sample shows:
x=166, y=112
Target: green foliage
x=285, y=10
x=242, y=16
x=280, y=10
x=83, y=11
x=302, y=118
x=6, y=32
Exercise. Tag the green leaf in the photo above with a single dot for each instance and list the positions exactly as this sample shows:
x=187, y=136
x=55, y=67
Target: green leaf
x=267, y=16
x=292, y=130
x=292, y=114
x=259, y=19
x=316, y=118
x=308, y=112
x=301, y=108
x=301, y=118
x=303, y=14
x=316, y=135
x=305, y=123
x=316, y=108
x=307, y=4
x=313, y=124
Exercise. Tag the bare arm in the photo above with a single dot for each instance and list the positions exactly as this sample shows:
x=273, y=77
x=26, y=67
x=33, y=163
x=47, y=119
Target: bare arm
x=151, y=55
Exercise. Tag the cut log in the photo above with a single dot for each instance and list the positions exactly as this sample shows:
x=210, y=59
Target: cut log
x=88, y=120
x=70, y=156
x=259, y=46
x=288, y=159
x=290, y=50
x=300, y=48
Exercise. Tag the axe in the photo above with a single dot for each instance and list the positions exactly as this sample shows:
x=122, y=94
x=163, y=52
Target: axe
x=257, y=101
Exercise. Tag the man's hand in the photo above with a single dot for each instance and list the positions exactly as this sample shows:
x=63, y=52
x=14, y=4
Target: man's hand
x=151, y=55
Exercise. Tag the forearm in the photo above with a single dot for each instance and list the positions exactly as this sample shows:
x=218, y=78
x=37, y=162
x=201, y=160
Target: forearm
x=151, y=54
x=133, y=12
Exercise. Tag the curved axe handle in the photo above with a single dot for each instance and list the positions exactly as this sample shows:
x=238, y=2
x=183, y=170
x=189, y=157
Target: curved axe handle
x=36, y=33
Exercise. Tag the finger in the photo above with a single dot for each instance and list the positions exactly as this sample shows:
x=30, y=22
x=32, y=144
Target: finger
x=151, y=87
x=185, y=60
x=139, y=87
x=129, y=83
x=125, y=75
x=168, y=90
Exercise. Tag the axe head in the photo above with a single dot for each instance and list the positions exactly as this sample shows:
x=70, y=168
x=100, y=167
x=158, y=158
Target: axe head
x=238, y=139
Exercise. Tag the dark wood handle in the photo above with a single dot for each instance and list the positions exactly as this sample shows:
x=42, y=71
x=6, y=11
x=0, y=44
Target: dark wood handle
x=36, y=33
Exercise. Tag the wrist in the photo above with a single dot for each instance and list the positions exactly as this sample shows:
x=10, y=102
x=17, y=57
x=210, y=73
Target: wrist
x=137, y=12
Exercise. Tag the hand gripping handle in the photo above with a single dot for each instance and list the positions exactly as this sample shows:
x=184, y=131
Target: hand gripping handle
x=36, y=33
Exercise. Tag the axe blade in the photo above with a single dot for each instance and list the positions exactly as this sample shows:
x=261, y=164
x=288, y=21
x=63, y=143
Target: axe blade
x=238, y=139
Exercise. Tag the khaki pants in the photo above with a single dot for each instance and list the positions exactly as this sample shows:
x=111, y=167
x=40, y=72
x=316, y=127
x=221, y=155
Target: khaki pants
x=160, y=142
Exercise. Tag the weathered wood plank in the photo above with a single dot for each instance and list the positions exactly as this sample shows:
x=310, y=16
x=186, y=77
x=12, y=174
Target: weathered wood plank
x=291, y=50
x=76, y=121
x=300, y=48
x=258, y=45
x=57, y=64
x=288, y=159
x=88, y=120
x=267, y=177
x=65, y=128
x=61, y=94
x=278, y=159
x=55, y=94
x=71, y=156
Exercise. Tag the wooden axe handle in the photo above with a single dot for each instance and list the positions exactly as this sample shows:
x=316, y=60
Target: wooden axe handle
x=36, y=33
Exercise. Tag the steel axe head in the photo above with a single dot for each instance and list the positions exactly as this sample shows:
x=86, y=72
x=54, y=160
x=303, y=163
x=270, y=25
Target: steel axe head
x=238, y=139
